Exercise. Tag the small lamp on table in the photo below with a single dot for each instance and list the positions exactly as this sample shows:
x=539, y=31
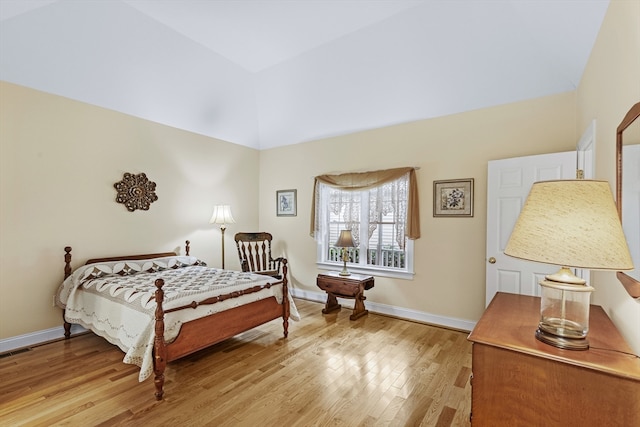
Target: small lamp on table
x=345, y=241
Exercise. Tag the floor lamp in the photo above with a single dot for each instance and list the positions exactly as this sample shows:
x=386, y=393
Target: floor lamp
x=222, y=215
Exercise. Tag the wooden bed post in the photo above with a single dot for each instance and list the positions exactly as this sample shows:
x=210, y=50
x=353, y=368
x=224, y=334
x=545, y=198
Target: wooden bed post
x=285, y=299
x=159, y=346
x=186, y=247
x=67, y=273
x=67, y=261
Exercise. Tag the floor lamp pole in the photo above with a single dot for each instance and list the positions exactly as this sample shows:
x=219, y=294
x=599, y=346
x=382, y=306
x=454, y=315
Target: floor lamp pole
x=222, y=228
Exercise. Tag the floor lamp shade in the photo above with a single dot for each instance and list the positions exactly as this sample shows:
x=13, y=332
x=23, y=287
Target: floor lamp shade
x=569, y=223
x=222, y=215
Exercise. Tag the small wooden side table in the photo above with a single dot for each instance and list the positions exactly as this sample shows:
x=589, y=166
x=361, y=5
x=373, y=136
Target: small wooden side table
x=352, y=287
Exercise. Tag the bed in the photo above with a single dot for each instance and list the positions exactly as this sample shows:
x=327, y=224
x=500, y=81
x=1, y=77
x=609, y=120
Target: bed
x=160, y=307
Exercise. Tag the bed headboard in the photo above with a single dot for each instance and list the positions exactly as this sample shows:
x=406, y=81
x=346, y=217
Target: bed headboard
x=67, y=257
x=130, y=257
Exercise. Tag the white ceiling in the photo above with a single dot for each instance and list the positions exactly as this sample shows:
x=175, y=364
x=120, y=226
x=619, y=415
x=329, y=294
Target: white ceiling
x=266, y=73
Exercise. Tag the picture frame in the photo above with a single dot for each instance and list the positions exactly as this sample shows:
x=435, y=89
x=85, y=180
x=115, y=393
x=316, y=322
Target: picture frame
x=286, y=202
x=453, y=198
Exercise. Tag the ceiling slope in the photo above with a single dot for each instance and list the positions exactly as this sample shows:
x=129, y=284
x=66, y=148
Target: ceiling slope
x=270, y=73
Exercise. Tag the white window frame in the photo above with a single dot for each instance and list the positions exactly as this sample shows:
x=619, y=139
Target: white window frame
x=362, y=267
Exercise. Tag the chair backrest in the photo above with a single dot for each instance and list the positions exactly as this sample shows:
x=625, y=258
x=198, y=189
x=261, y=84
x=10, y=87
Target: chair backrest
x=254, y=252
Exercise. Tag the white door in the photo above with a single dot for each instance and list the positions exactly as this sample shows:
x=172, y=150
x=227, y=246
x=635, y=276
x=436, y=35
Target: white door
x=508, y=185
x=586, y=151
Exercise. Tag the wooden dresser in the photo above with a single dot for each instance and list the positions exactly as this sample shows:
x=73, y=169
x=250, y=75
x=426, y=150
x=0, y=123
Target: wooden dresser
x=520, y=381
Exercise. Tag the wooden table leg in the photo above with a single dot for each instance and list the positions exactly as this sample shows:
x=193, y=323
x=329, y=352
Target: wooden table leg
x=332, y=304
x=358, y=308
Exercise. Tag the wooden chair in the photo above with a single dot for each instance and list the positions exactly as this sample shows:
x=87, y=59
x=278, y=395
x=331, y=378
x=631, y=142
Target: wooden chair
x=254, y=251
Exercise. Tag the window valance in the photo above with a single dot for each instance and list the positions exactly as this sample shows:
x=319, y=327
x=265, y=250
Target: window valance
x=358, y=181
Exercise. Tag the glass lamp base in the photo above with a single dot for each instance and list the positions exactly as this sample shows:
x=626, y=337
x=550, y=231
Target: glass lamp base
x=561, y=342
x=564, y=313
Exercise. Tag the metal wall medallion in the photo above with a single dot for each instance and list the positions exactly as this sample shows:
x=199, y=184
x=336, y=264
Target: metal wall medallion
x=136, y=192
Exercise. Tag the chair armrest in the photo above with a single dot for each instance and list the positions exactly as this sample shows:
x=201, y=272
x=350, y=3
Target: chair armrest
x=276, y=264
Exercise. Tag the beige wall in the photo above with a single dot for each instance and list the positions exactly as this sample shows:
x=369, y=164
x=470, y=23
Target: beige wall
x=59, y=160
x=450, y=255
x=450, y=263
x=610, y=86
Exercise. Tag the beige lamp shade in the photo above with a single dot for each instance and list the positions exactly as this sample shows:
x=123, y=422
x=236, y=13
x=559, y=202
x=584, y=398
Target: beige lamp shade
x=222, y=215
x=345, y=240
x=571, y=223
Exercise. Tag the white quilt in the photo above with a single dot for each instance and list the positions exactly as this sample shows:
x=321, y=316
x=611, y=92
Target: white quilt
x=116, y=300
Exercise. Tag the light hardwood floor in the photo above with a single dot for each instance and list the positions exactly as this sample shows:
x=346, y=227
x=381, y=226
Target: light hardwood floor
x=331, y=371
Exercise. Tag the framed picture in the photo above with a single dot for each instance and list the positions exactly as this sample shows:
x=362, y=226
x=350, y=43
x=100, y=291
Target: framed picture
x=453, y=197
x=286, y=202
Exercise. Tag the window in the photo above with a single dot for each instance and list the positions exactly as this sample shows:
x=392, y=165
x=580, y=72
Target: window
x=378, y=215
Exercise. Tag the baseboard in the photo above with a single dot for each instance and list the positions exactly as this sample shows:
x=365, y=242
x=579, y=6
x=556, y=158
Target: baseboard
x=390, y=310
x=40, y=337
x=36, y=338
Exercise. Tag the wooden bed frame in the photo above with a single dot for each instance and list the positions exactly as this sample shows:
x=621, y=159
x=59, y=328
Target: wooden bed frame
x=205, y=331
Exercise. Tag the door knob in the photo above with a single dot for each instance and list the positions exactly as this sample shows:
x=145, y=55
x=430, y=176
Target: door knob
x=492, y=260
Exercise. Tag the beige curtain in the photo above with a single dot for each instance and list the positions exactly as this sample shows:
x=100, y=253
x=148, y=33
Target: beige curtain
x=367, y=180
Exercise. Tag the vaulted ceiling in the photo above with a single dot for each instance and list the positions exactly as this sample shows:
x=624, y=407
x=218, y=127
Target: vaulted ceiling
x=266, y=73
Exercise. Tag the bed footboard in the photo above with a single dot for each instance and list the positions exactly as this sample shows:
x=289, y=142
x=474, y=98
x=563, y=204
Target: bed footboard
x=207, y=331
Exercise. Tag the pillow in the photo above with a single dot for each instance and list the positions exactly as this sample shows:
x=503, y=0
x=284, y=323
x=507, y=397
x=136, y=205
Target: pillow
x=171, y=262
x=122, y=267
x=126, y=268
x=98, y=270
x=154, y=266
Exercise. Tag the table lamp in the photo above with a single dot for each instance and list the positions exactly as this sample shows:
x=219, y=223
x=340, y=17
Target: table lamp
x=222, y=215
x=345, y=241
x=570, y=223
